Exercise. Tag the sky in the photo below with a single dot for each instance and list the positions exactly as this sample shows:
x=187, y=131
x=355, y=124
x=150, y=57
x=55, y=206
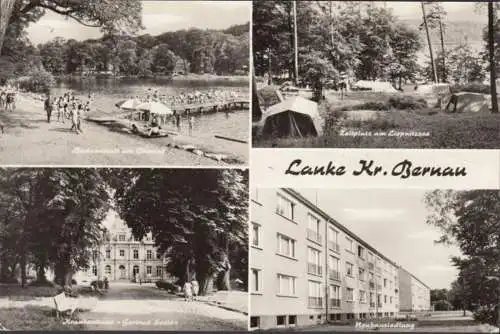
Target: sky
x=393, y=222
x=455, y=11
x=158, y=17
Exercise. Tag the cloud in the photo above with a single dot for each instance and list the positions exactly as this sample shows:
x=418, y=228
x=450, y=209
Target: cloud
x=373, y=214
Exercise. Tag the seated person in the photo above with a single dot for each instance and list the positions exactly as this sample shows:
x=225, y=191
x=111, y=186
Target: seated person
x=155, y=128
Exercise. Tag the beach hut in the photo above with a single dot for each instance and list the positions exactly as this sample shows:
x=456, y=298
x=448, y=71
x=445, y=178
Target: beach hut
x=294, y=117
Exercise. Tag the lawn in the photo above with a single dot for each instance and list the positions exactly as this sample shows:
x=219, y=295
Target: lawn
x=35, y=318
x=16, y=292
x=394, y=128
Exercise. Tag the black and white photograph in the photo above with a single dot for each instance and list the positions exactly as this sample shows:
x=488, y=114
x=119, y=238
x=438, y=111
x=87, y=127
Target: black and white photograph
x=124, y=83
x=378, y=74
x=123, y=249
x=385, y=260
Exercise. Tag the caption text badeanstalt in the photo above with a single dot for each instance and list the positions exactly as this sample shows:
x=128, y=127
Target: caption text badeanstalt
x=404, y=169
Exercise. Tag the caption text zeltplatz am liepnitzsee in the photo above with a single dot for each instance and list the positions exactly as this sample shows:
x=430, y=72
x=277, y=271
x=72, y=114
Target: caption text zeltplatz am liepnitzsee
x=404, y=169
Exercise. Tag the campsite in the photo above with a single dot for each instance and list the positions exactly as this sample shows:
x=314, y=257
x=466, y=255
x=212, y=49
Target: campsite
x=383, y=92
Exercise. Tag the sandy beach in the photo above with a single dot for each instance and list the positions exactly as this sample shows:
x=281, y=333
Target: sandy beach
x=29, y=139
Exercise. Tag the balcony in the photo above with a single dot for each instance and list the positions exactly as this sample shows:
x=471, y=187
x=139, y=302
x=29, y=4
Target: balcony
x=334, y=246
x=313, y=236
x=334, y=274
x=335, y=302
x=314, y=269
x=315, y=302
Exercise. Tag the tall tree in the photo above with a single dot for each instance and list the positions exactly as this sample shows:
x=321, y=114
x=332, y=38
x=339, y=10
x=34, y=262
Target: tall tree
x=435, y=20
x=491, y=52
x=424, y=16
x=112, y=16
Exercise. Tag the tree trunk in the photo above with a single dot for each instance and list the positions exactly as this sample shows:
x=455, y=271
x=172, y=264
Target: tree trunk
x=441, y=32
x=6, y=8
x=434, y=73
x=23, y=268
x=491, y=50
x=40, y=274
x=63, y=274
x=291, y=69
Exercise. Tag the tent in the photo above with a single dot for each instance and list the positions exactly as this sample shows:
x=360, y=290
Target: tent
x=465, y=102
x=437, y=89
x=294, y=117
x=130, y=104
x=155, y=108
x=374, y=86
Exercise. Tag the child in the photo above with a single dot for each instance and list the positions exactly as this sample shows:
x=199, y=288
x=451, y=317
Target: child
x=188, y=292
x=196, y=288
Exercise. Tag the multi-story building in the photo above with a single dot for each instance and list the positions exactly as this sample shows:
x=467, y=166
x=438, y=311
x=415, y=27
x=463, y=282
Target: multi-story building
x=307, y=268
x=414, y=295
x=122, y=257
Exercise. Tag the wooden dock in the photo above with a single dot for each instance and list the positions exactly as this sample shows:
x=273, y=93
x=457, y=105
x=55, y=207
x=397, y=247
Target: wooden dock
x=211, y=106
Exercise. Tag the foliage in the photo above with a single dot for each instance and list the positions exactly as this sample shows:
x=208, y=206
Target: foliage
x=407, y=102
x=198, y=218
x=470, y=219
x=473, y=87
x=39, y=81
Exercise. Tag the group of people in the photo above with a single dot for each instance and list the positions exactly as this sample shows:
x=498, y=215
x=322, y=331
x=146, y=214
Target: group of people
x=7, y=100
x=195, y=97
x=68, y=107
x=191, y=290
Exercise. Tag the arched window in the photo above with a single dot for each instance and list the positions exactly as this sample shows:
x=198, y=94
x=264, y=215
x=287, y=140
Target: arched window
x=107, y=270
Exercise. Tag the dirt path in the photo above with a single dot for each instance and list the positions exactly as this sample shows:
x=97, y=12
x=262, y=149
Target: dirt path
x=30, y=140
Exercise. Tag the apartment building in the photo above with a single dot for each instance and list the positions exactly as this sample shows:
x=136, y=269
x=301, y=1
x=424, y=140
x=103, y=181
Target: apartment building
x=306, y=268
x=414, y=295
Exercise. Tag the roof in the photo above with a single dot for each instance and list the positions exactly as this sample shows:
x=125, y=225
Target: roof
x=415, y=277
x=296, y=104
x=344, y=229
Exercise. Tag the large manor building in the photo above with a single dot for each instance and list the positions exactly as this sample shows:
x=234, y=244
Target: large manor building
x=122, y=257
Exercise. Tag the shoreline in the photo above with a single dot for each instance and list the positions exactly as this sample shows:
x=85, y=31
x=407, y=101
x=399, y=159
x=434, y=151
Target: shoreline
x=243, y=79
x=30, y=140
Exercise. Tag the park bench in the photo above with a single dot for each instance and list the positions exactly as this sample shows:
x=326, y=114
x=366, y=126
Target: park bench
x=65, y=304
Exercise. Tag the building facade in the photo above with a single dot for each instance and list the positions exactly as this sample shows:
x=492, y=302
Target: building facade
x=414, y=295
x=122, y=257
x=306, y=268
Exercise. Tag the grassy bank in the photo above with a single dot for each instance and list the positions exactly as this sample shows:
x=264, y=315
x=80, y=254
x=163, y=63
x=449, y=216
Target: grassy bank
x=383, y=126
x=35, y=318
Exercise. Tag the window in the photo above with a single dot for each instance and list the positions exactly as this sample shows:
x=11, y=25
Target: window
x=361, y=252
x=149, y=254
x=136, y=253
x=94, y=270
x=334, y=295
x=121, y=237
x=349, y=269
x=314, y=228
x=350, y=245
x=122, y=252
x=280, y=320
x=333, y=242
x=361, y=274
x=286, y=285
x=362, y=296
x=158, y=255
x=255, y=235
x=385, y=299
x=149, y=269
x=286, y=246
x=314, y=264
x=315, y=299
x=254, y=322
x=349, y=294
x=255, y=281
x=385, y=282
x=94, y=254
x=390, y=300
x=285, y=207
x=107, y=270
x=108, y=253
x=159, y=271
x=292, y=320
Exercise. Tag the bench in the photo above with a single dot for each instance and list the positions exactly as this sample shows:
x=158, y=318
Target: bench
x=65, y=304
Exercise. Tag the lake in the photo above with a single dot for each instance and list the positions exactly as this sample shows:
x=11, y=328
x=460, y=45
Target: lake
x=108, y=91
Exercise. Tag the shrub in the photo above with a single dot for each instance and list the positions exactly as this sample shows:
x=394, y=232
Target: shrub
x=486, y=315
x=39, y=81
x=371, y=105
x=97, y=284
x=406, y=102
x=473, y=87
x=164, y=285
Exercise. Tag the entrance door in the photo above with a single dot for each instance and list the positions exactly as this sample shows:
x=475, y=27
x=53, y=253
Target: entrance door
x=123, y=274
x=135, y=271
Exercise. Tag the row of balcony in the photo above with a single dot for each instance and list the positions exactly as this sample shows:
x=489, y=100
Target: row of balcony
x=317, y=302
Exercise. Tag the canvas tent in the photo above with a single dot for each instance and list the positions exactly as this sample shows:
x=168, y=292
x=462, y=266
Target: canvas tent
x=294, y=117
x=374, y=86
x=437, y=89
x=465, y=102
